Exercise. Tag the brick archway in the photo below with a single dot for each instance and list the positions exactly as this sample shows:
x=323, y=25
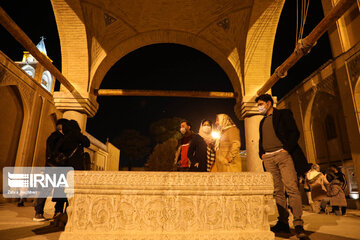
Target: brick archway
x=105, y=62
x=238, y=35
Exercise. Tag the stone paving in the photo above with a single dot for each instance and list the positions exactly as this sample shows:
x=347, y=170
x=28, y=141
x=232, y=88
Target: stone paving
x=17, y=223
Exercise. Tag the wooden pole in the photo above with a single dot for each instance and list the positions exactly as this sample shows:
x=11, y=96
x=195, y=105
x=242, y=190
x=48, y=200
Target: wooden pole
x=163, y=93
x=26, y=42
x=304, y=46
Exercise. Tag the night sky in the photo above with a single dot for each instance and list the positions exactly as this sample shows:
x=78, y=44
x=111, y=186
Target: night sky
x=164, y=66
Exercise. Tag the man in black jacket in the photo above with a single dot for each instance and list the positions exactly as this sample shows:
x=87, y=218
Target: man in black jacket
x=281, y=155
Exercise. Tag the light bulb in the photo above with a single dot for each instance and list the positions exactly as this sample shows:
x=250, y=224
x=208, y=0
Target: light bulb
x=215, y=134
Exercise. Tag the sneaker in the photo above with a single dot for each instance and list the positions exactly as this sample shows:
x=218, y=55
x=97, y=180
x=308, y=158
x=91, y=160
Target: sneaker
x=20, y=204
x=39, y=218
x=280, y=227
x=300, y=232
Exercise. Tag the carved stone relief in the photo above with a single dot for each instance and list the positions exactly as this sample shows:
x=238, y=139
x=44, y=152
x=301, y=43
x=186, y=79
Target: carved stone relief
x=170, y=205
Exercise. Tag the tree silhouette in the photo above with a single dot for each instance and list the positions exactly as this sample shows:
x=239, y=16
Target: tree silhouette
x=133, y=146
x=165, y=129
x=162, y=157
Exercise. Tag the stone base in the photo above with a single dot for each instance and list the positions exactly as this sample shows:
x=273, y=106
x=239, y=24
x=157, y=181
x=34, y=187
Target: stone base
x=170, y=205
x=249, y=235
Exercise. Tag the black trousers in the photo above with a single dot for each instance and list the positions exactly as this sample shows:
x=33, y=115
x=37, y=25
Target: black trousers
x=39, y=205
x=59, y=202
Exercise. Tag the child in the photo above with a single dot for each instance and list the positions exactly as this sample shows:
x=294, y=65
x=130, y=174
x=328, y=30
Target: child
x=315, y=187
x=336, y=196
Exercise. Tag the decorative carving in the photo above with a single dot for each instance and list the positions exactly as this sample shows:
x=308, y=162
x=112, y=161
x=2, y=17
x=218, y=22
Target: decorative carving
x=170, y=205
x=175, y=179
x=109, y=19
x=170, y=213
x=328, y=85
x=7, y=78
x=225, y=23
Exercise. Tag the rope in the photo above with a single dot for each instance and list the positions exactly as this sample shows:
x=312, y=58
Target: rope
x=304, y=16
x=278, y=73
x=300, y=29
x=303, y=47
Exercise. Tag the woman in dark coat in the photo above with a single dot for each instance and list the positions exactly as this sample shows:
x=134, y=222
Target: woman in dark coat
x=198, y=149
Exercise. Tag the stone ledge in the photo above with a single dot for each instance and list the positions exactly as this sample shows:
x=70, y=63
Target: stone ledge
x=173, y=179
x=211, y=235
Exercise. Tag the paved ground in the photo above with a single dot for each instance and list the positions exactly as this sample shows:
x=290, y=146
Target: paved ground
x=326, y=227
x=16, y=223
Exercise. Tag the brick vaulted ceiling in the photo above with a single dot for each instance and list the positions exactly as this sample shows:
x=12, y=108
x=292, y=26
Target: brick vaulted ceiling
x=237, y=34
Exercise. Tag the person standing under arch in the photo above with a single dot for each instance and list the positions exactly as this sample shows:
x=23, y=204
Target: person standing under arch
x=228, y=146
x=182, y=161
x=200, y=151
x=281, y=155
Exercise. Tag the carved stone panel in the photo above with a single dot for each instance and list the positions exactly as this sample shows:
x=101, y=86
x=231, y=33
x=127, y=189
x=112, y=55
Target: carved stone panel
x=170, y=205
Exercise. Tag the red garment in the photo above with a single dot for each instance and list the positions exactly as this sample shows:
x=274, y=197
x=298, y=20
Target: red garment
x=184, y=160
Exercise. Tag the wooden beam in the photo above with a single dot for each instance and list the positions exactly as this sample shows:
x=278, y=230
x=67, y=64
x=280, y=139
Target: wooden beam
x=163, y=93
x=305, y=45
x=26, y=42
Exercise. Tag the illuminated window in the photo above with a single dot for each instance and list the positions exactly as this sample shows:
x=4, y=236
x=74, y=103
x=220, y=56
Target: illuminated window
x=47, y=81
x=29, y=70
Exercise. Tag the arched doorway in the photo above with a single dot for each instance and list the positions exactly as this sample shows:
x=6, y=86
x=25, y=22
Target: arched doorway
x=12, y=114
x=330, y=140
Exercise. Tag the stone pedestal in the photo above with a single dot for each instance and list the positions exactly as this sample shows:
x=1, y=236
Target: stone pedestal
x=170, y=205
